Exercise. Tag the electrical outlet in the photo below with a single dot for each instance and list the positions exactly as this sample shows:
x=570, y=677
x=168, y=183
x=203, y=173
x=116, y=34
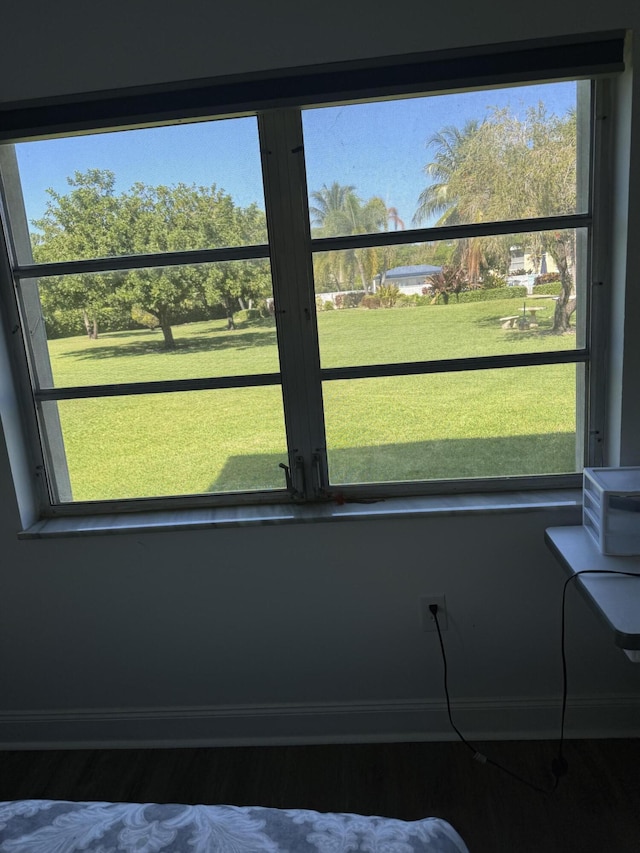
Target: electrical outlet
x=428, y=619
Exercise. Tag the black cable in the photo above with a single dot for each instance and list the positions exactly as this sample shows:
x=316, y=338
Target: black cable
x=477, y=755
x=560, y=766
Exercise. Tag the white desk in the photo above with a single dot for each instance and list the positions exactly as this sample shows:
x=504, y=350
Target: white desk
x=615, y=598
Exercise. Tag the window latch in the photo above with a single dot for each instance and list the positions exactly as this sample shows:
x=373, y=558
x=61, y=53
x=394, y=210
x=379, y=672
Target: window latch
x=296, y=494
x=318, y=470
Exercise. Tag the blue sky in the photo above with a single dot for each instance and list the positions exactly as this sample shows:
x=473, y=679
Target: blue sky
x=380, y=148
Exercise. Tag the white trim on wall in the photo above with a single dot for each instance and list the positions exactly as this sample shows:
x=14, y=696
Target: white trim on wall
x=528, y=718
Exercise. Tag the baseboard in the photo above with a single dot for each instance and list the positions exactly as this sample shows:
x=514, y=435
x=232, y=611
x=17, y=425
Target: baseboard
x=299, y=723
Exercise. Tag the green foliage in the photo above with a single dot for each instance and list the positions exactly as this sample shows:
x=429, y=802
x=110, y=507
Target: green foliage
x=249, y=315
x=338, y=211
x=507, y=167
x=548, y=284
x=352, y=299
x=406, y=300
x=492, y=280
x=63, y=319
x=144, y=318
x=553, y=288
x=414, y=254
x=492, y=295
x=328, y=306
x=369, y=301
x=388, y=295
x=450, y=280
x=93, y=221
x=546, y=278
x=62, y=324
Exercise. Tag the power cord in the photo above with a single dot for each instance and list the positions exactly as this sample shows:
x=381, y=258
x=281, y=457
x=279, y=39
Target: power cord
x=477, y=755
x=559, y=765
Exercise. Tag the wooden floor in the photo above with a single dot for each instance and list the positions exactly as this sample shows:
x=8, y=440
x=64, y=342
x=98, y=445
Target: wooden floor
x=596, y=808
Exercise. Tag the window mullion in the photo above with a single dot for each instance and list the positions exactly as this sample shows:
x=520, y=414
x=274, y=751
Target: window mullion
x=599, y=292
x=292, y=273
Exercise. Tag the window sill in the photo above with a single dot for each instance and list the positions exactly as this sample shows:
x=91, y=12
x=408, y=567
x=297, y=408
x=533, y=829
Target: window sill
x=247, y=516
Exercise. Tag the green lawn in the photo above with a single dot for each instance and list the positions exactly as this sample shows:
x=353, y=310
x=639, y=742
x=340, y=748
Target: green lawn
x=478, y=423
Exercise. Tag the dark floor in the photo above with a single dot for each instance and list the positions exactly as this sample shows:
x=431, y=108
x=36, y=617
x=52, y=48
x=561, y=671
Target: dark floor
x=596, y=808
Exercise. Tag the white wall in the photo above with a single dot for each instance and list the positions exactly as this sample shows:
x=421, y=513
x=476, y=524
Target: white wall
x=310, y=630
x=55, y=48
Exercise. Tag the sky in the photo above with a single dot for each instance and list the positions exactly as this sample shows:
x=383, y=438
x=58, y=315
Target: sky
x=380, y=148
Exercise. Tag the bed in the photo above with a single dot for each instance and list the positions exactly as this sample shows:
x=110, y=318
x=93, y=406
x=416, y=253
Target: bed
x=55, y=826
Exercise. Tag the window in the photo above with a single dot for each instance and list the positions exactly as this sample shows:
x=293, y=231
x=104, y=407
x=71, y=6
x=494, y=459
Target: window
x=366, y=284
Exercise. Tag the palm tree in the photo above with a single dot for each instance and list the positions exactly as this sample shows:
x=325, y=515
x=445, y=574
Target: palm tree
x=441, y=197
x=330, y=202
x=339, y=212
x=507, y=167
x=394, y=216
x=450, y=195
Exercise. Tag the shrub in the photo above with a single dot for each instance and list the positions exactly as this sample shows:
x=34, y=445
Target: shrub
x=63, y=324
x=549, y=288
x=490, y=281
x=353, y=299
x=369, y=302
x=388, y=295
x=328, y=306
x=490, y=295
x=546, y=278
x=68, y=322
x=450, y=279
x=248, y=315
x=406, y=300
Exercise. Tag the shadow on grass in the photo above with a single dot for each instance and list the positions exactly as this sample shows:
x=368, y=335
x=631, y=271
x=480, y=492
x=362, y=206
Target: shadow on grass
x=538, y=333
x=442, y=459
x=241, y=339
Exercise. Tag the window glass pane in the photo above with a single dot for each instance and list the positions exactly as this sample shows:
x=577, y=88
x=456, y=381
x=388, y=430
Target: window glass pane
x=463, y=298
x=444, y=160
x=174, y=444
x=161, y=189
x=484, y=423
x=180, y=322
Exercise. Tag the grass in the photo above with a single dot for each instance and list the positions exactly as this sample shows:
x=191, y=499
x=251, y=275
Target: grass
x=479, y=423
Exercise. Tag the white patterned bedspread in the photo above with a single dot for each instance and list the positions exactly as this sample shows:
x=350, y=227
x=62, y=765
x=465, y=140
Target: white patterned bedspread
x=48, y=826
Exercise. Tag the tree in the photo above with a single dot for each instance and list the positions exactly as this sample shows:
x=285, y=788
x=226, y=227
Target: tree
x=339, y=211
x=450, y=279
x=81, y=224
x=329, y=204
x=449, y=195
x=441, y=197
x=237, y=284
x=92, y=221
x=326, y=214
x=173, y=219
x=508, y=168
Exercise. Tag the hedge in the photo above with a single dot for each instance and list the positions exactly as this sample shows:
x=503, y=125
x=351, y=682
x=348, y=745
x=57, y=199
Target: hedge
x=248, y=315
x=490, y=295
x=551, y=288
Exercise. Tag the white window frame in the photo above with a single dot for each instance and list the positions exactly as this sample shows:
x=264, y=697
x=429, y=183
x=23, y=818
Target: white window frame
x=290, y=250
